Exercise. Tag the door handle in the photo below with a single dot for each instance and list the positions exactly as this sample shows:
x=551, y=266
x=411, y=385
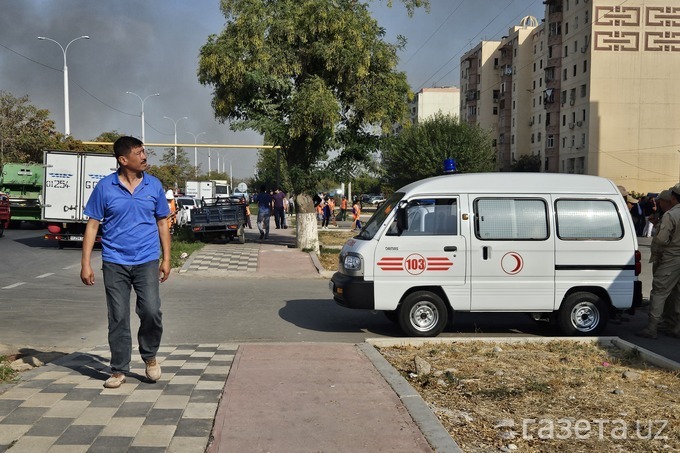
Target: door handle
x=485, y=253
x=450, y=248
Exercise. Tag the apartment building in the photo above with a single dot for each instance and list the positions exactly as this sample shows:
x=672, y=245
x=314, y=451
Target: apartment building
x=430, y=101
x=603, y=93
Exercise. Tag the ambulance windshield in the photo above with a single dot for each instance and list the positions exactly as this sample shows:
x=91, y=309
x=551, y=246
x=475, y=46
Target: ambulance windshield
x=378, y=218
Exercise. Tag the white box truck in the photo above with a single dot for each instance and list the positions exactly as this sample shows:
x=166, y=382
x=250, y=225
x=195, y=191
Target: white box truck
x=69, y=179
x=200, y=189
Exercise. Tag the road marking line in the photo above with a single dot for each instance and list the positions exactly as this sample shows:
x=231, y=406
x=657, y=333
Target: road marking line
x=45, y=275
x=71, y=266
x=13, y=286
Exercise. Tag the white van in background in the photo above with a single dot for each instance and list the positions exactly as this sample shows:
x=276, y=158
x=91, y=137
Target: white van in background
x=555, y=245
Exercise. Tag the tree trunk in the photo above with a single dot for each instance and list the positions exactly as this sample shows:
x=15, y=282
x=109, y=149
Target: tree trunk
x=307, y=231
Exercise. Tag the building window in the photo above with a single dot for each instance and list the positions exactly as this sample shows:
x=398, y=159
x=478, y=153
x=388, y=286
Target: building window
x=565, y=74
x=550, y=51
x=583, y=138
x=583, y=117
x=513, y=105
x=564, y=142
x=512, y=140
x=550, y=143
x=566, y=50
x=575, y=45
x=547, y=119
x=574, y=70
x=573, y=140
x=573, y=117
x=585, y=66
x=586, y=20
x=540, y=64
x=564, y=120
x=494, y=142
x=539, y=118
x=584, y=91
x=532, y=138
x=576, y=22
x=540, y=82
x=495, y=110
x=539, y=137
x=534, y=102
x=534, y=63
x=566, y=28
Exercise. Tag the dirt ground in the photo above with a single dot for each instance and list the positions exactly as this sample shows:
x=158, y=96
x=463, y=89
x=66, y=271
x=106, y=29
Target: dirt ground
x=545, y=397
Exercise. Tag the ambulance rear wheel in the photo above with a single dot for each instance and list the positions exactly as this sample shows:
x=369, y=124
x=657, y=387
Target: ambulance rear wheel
x=423, y=314
x=582, y=313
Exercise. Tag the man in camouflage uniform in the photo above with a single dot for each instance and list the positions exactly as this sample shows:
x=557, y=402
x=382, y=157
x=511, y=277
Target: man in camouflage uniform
x=666, y=265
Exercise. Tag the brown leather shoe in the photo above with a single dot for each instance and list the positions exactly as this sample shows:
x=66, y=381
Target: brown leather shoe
x=116, y=380
x=153, y=370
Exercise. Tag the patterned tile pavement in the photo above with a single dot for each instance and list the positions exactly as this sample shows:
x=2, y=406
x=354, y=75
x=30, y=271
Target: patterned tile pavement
x=65, y=408
x=225, y=257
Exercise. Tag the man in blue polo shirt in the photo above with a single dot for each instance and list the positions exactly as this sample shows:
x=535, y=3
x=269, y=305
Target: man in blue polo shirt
x=131, y=207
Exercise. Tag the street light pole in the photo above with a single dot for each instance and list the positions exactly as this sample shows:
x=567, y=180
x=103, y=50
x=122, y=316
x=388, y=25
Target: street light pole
x=143, y=100
x=67, y=121
x=175, y=123
x=195, y=151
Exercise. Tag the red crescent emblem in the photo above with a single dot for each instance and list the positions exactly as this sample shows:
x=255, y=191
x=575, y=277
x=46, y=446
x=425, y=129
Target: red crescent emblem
x=512, y=263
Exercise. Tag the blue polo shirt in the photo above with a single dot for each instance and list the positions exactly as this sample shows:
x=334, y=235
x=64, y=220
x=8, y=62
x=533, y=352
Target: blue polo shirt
x=128, y=221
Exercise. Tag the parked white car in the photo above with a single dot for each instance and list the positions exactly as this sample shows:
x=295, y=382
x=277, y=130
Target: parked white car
x=184, y=207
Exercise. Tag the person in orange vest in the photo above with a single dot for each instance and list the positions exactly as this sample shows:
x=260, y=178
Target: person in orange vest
x=356, y=212
x=343, y=208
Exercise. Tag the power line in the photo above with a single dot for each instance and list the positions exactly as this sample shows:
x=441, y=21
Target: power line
x=470, y=41
x=434, y=32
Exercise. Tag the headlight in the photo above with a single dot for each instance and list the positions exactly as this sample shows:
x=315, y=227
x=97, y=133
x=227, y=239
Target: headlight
x=352, y=263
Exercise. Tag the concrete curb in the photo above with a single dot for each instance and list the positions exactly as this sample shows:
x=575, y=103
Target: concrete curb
x=437, y=436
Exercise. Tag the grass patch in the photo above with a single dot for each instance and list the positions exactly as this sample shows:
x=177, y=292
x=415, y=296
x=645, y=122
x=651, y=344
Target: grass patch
x=331, y=244
x=183, y=241
x=7, y=374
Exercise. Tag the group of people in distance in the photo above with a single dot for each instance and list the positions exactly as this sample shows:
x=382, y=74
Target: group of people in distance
x=325, y=211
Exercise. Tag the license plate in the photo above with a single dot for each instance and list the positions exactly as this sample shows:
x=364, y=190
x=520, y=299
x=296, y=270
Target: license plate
x=75, y=238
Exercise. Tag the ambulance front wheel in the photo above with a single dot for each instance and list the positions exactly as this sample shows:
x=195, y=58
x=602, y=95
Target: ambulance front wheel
x=582, y=313
x=423, y=314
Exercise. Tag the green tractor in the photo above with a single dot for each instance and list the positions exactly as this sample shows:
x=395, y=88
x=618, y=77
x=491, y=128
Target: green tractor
x=23, y=184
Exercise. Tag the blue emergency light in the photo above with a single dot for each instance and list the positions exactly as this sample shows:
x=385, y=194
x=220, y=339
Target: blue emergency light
x=449, y=166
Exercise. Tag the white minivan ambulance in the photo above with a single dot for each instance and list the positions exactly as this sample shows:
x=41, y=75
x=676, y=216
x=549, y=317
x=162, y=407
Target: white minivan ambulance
x=556, y=246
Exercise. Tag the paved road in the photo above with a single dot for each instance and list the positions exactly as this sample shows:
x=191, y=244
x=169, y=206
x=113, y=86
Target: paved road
x=57, y=312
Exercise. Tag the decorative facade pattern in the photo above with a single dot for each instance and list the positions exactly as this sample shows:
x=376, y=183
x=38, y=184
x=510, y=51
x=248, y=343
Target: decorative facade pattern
x=630, y=17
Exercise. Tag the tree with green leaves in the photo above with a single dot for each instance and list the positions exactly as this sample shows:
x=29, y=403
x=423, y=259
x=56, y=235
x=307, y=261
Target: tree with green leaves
x=311, y=76
x=527, y=162
x=418, y=151
x=173, y=173
x=25, y=130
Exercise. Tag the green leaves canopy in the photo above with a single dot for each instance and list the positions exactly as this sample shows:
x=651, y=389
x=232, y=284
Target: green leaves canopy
x=310, y=75
x=419, y=151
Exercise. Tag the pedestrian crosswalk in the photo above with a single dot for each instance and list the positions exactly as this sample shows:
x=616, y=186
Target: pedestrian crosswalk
x=224, y=257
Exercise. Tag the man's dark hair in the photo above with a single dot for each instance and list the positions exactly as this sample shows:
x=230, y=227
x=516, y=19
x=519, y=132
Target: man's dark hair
x=124, y=145
x=676, y=196
x=263, y=188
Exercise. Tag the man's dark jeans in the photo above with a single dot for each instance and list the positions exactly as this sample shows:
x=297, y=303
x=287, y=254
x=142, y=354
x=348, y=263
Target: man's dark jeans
x=118, y=281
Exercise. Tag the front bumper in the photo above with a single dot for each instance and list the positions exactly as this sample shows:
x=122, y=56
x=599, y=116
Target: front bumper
x=352, y=292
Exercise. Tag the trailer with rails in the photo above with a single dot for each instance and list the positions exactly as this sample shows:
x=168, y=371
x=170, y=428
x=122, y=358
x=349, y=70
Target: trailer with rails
x=69, y=179
x=219, y=218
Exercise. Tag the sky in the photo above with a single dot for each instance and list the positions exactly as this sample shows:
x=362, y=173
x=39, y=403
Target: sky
x=152, y=46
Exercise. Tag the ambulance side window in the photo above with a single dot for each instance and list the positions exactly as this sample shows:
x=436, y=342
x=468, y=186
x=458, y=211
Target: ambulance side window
x=581, y=220
x=432, y=217
x=511, y=219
